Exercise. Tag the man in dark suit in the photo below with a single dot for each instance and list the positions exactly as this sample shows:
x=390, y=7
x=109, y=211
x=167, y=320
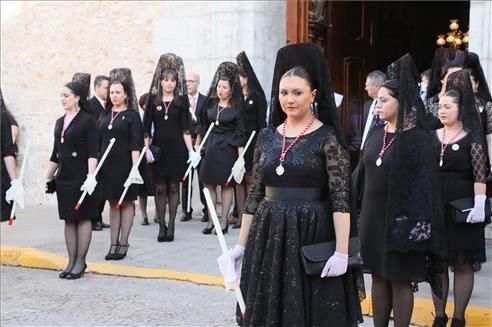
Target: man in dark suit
x=374, y=80
x=97, y=105
x=196, y=100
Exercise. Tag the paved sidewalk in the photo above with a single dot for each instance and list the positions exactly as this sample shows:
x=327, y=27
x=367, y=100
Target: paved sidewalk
x=191, y=252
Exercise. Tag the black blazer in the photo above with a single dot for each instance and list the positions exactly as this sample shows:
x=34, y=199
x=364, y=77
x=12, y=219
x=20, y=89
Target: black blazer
x=95, y=107
x=194, y=123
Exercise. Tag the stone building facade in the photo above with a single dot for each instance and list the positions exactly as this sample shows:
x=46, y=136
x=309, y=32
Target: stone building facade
x=44, y=43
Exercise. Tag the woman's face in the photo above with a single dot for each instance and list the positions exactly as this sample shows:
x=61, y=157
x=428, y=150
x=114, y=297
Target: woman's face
x=68, y=99
x=223, y=90
x=295, y=96
x=448, y=110
x=168, y=84
x=243, y=80
x=386, y=105
x=117, y=94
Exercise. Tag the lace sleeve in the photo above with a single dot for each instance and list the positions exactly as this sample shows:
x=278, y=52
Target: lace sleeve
x=488, y=111
x=338, y=169
x=256, y=191
x=479, y=163
x=432, y=105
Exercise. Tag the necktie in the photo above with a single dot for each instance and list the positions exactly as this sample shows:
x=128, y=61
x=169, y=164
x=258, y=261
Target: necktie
x=193, y=104
x=104, y=104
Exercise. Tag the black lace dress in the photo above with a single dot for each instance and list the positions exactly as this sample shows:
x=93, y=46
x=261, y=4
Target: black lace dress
x=464, y=164
x=377, y=258
x=276, y=290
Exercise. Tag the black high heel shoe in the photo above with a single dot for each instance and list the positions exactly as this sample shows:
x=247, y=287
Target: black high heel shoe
x=224, y=230
x=207, y=230
x=71, y=275
x=112, y=252
x=162, y=234
x=121, y=254
x=63, y=274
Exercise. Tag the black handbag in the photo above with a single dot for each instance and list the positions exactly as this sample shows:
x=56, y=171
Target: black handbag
x=156, y=152
x=50, y=186
x=462, y=208
x=314, y=256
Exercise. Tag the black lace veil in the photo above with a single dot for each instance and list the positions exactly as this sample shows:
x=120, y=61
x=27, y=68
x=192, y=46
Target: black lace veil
x=468, y=113
x=84, y=88
x=444, y=58
x=309, y=56
x=473, y=63
x=124, y=75
x=254, y=85
x=168, y=61
x=227, y=70
x=403, y=76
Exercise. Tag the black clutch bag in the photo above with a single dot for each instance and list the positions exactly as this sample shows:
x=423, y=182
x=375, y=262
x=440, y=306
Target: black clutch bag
x=462, y=208
x=50, y=187
x=314, y=256
x=156, y=152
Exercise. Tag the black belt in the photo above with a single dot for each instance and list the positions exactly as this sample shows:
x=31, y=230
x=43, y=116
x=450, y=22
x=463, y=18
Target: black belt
x=293, y=193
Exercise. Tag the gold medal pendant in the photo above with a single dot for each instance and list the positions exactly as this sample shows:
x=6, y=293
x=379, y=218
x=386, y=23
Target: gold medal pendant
x=62, y=139
x=110, y=126
x=166, y=117
x=379, y=162
x=441, y=163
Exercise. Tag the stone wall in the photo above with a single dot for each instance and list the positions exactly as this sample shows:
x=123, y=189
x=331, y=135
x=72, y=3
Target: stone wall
x=44, y=43
x=480, y=34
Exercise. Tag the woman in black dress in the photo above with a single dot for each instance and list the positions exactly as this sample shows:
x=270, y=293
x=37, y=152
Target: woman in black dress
x=253, y=106
x=226, y=141
x=9, y=173
x=75, y=155
x=445, y=62
x=121, y=121
x=299, y=196
x=147, y=188
x=460, y=150
x=167, y=109
x=399, y=197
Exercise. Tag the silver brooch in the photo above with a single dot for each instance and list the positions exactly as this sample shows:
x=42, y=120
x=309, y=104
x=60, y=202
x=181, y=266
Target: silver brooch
x=159, y=108
x=455, y=147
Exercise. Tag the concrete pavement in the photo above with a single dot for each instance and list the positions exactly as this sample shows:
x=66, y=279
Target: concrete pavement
x=191, y=257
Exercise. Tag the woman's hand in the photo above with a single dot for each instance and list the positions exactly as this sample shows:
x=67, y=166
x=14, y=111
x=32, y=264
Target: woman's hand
x=336, y=265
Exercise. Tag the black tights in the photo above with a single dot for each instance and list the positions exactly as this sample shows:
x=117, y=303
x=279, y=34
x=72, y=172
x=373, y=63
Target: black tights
x=164, y=191
x=390, y=295
x=463, y=288
x=121, y=220
x=78, y=235
x=227, y=194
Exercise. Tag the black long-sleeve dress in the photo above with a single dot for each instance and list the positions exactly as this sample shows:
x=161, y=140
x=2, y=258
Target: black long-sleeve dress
x=464, y=164
x=377, y=258
x=220, y=149
x=168, y=136
x=277, y=292
x=127, y=130
x=81, y=142
x=8, y=150
x=254, y=114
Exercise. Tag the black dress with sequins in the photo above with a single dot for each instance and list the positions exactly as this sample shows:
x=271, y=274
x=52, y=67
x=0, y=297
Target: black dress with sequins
x=277, y=292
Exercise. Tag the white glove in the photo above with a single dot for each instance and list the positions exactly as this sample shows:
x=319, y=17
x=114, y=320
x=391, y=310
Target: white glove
x=336, y=265
x=238, y=170
x=15, y=193
x=194, y=158
x=477, y=214
x=134, y=177
x=89, y=184
x=149, y=156
x=230, y=265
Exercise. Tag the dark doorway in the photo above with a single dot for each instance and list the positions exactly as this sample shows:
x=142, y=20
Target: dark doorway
x=358, y=37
